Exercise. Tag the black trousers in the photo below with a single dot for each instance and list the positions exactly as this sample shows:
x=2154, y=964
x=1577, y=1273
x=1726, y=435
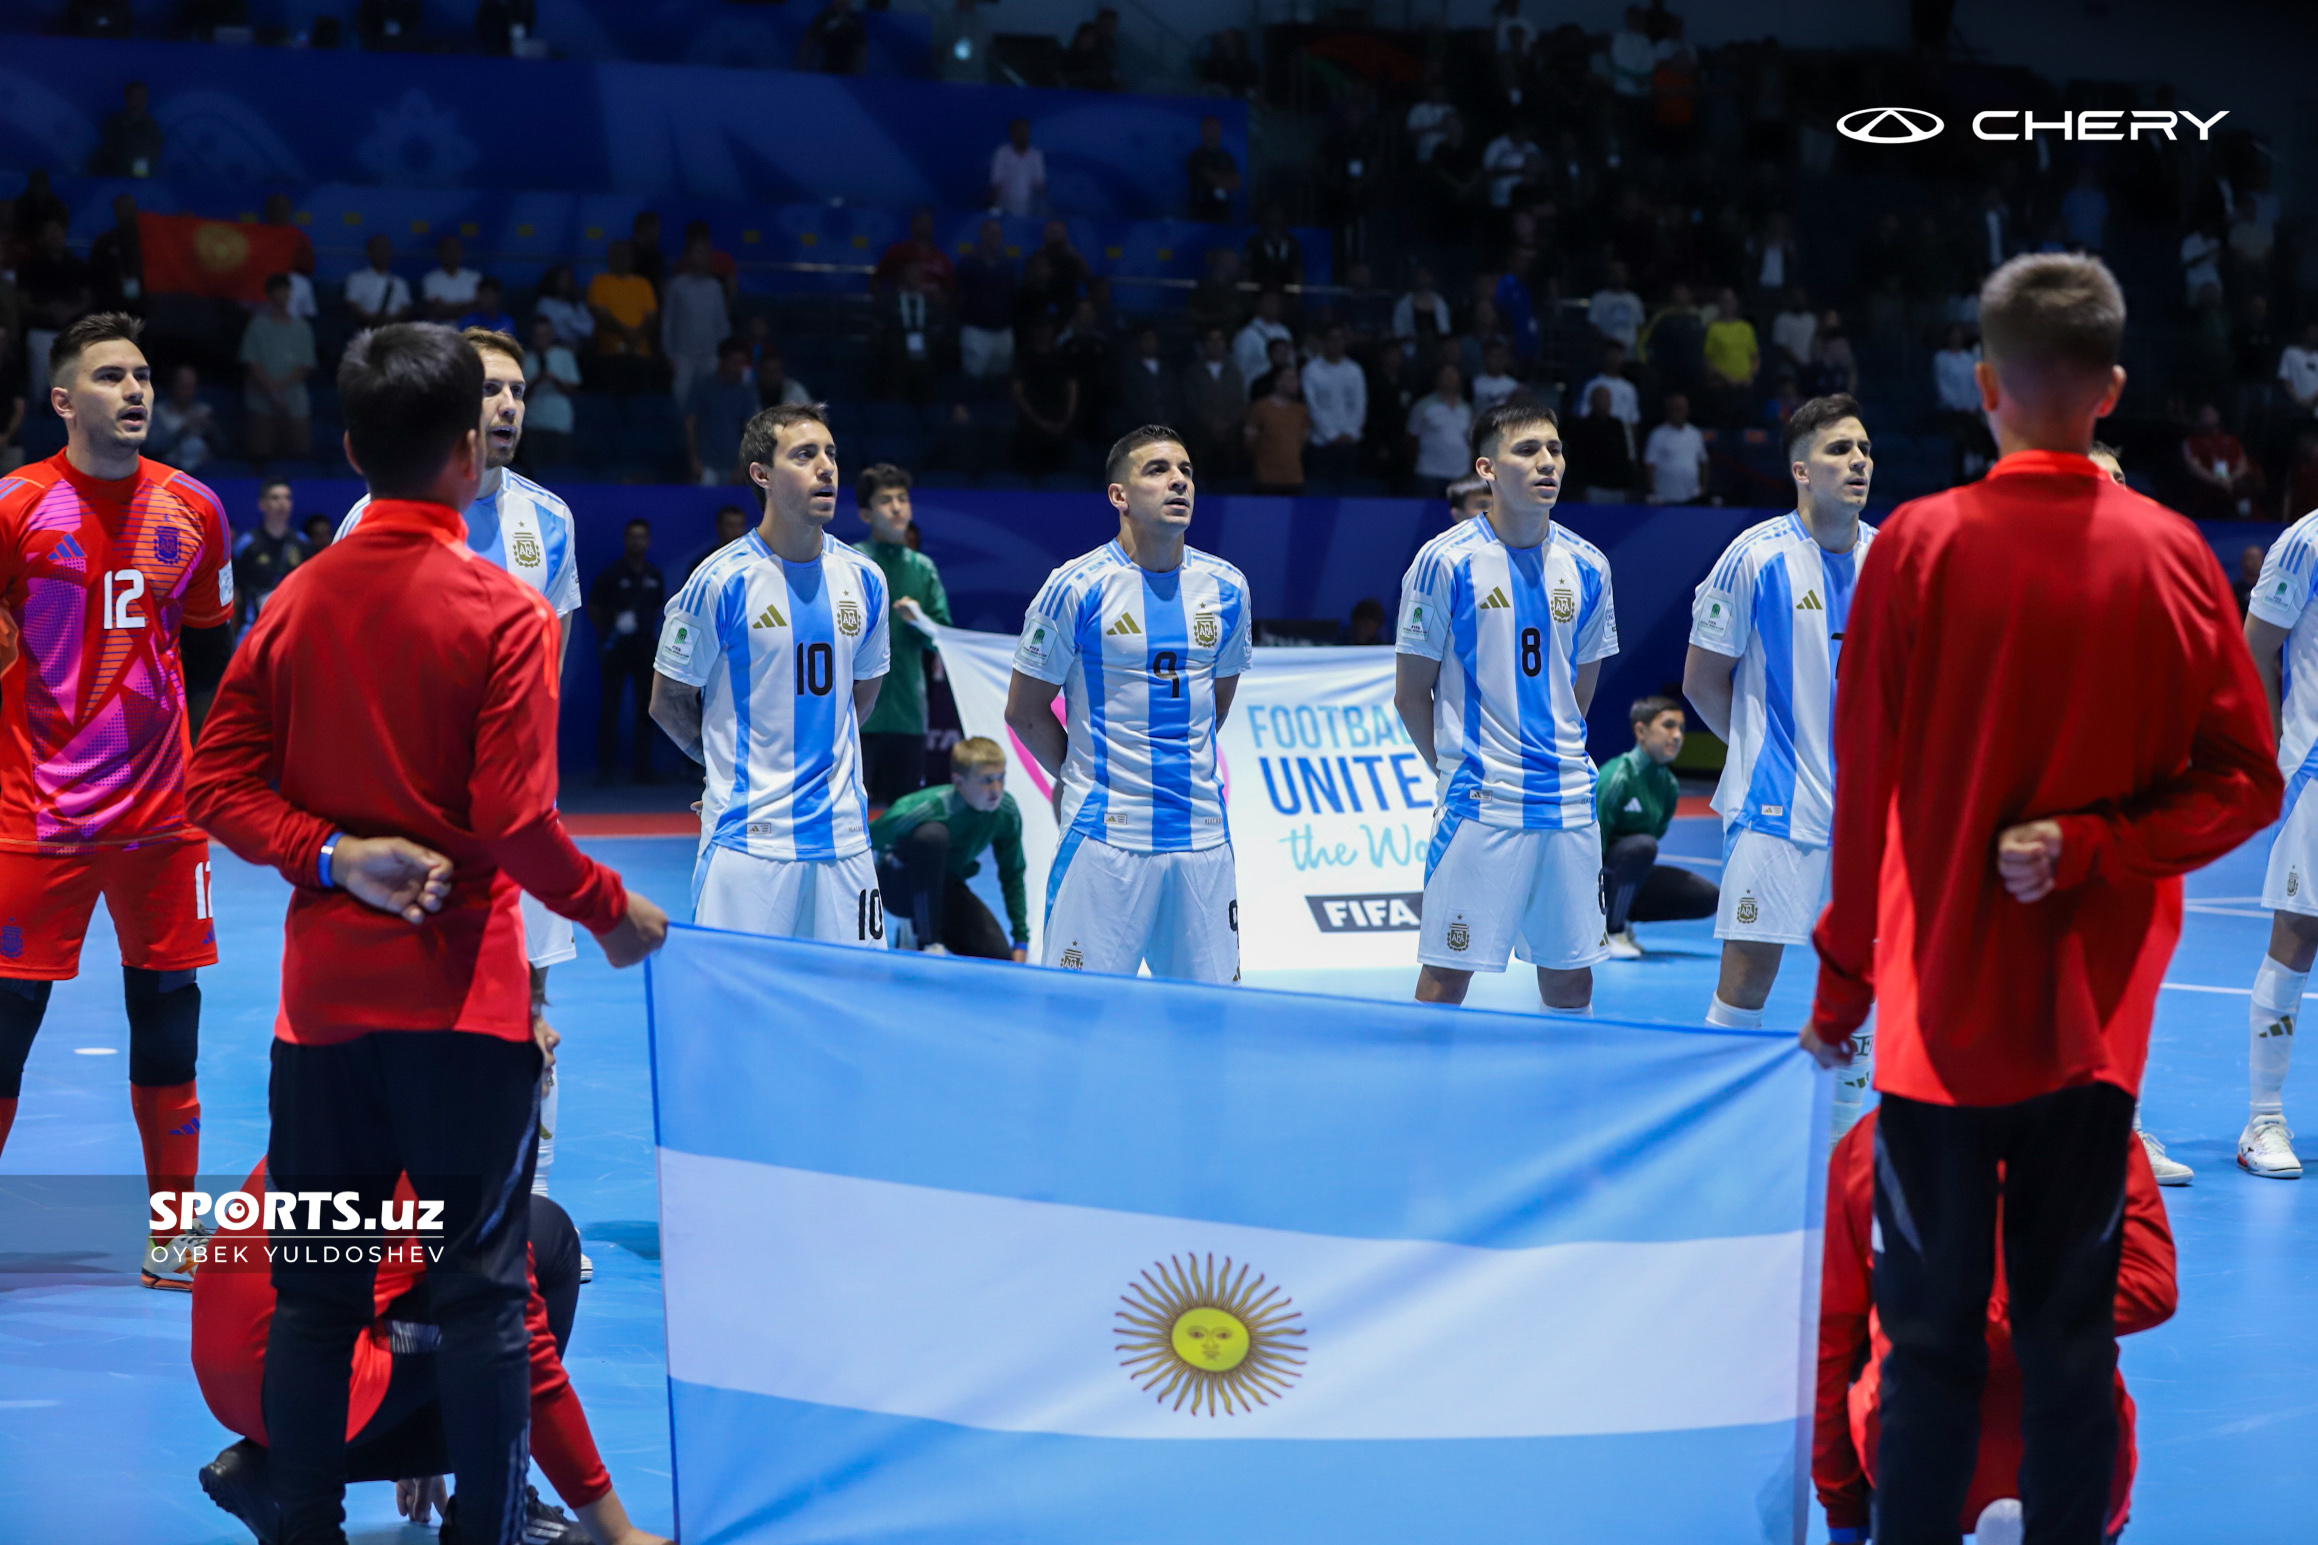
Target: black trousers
x=918, y=885
x=1936, y=1191
x=460, y=1113
x=1636, y=888
x=893, y=765
x=634, y=673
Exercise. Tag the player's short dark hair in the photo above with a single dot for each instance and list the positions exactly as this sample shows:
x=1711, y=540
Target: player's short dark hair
x=2049, y=310
x=634, y=521
x=1815, y=414
x=876, y=479
x=1465, y=488
x=410, y=392
x=267, y=485
x=1115, y=464
x=2104, y=448
x=1518, y=411
x=95, y=328
x=1646, y=709
x=762, y=437
x=487, y=338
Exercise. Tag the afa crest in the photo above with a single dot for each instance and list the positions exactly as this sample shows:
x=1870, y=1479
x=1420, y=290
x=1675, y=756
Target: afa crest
x=2293, y=882
x=1747, y=910
x=524, y=548
x=849, y=617
x=1565, y=605
x=168, y=543
x=11, y=940
x=1073, y=960
x=1206, y=629
x=1460, y=936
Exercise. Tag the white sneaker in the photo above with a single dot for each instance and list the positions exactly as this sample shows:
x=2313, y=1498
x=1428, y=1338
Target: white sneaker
x=2266, y=1148
x=1624, y=946
x=2001, y=1523
x=2170, y=1172
x=587, y=1268
x=937, y=949
x=171, y=1266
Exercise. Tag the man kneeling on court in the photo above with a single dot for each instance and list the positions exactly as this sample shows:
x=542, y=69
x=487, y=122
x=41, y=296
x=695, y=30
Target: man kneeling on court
x=1852, y=1345
x=930, y=843
x=394, y=1412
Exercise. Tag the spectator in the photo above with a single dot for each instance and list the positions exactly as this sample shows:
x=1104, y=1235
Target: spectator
x=1452, y=181
x=277, y=354
x=627, y=312
x=1278, y=425
x=2301, y=479
x=1392, y=391
x=117, y=262
x=490, y=313
x=1046, y=403
x=132, y=142
x=2253, y=345
x=1674, y=342
x=266, y=554
x=1496, y=380
x=920, y=248
x=1251, y=349
x=1225, y=60
x=1275, y=258
x=449, y=287
x=1517, y=304
x=986, y=293
x=1017, y=172
x=1956, y=390
x=1625, y=401
x=1440, y=424
x=1427, y=119
x=1369, y=625
x=54, y=285
x=718, y=409
x=1086, y=347
x=1367, y=311
x=2298, y=372
x=281, y=215
x=2251, y=241
x=1601, y=451
x=551, y=374
x=693, y=320
x=893, y=737
x=624, y=606
x=1468, y=497
x=1615, y=310
x=644, y=236
x=1145, y=392
x=962, y=45
x=1506, y=162
x=1832, y=368
x=1793, y=327
x=732, y=523
x=1212, y=173
x=2201, y=253
x=1278, y=354
x=1421, y=315
x=1335, y=391
x=184, y=427
x=720, y=262
x=2226, y=481
x=1215, y=299
x=1674, y=457
x=564, y=307
x=1351, y=164
x=1068, y=275
x=909, y=337
x=1085, y=66
x=776, y=388
x=1633, y=56
x=1733, y=358
x=2084, y=211
x=2250, y=560
x=38, y=204
x=375, y=293
x=1215, y=399
x=834, y=41
x=318, y=532
x=1774, y=254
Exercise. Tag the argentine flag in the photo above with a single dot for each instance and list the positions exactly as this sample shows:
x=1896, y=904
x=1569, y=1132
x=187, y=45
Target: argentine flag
x=976, y=1253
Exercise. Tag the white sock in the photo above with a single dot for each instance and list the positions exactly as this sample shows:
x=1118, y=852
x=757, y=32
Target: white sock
x=2277, y=1000
x=1724, y=1016
x=547, y=1124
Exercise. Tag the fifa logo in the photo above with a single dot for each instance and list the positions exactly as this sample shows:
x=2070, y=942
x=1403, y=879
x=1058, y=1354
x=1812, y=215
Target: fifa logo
x=1747, y=911
x=1460, y=936
x=1565, y=605
x=848, y=617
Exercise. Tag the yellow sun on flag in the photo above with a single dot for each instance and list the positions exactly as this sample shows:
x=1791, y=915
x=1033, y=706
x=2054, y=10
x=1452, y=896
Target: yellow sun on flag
x=1203, y=1336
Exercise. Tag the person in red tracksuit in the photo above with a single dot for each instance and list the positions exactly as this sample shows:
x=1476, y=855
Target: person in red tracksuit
x=2047, y=715
x=385, y=738
x=1852, y=1346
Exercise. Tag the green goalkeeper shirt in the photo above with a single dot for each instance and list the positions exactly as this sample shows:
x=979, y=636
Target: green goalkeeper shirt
x=909, y=575
x=971, y=831
x=1634, y=795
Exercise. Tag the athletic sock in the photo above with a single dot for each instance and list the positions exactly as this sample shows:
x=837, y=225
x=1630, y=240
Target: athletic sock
x=547, y=1123
x=169, y=1127
x=2277, y=1001
x=1723, y=1016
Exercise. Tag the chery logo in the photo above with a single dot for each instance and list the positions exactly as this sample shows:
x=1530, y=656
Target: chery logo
x=1889, y=125
x=1913, y=125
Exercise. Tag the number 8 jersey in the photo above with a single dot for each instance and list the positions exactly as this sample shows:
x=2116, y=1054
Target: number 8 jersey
x=775, y=648
x=1510, y=627
x=1137, y=655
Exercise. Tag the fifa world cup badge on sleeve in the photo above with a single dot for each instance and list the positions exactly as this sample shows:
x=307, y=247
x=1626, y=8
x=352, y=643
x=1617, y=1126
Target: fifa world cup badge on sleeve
x=1414, y=629
x=1033, y=649
x=1716, y=623
x=676, y=649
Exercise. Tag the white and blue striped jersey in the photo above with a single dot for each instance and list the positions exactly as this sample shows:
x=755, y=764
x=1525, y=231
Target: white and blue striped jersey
x=2281, y=598
x=1137, y=656
x=524, y=529
x=1777, y=602
x=775, y=648
x=1510, y=626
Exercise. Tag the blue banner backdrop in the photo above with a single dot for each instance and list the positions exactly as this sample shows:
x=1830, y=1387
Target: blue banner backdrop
x=291, y=117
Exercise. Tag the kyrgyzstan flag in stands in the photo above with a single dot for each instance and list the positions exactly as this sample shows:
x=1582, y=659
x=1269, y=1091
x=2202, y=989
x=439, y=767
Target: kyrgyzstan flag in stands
x=192, y=255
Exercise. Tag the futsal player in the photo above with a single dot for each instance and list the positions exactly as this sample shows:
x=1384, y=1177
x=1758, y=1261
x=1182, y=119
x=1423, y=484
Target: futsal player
x=1146, y=638
x=770, y=659
x=527, y=531
x=116, y=603
x=2282, y=630
x=2048, y=716
x=1505, y=620
x=1766, y=630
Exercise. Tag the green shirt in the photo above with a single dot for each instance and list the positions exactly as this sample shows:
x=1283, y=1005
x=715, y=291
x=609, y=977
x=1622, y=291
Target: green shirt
x=971, y=831
x=1634, y=794
x=901, y=702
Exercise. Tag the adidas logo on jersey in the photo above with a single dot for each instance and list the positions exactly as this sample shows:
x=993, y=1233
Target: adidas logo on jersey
x=1810, y=602
x=1125, y=627
x=1633, y=805
x=770, y=617
x=1496, y=600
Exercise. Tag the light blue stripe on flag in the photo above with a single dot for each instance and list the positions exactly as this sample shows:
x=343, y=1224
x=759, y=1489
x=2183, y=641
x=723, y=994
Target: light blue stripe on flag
x=934, y=1233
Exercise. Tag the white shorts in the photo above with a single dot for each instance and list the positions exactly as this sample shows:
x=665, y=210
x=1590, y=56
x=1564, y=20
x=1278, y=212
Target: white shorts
x=1772, y=889
x=548, y=939
x=1110, y=910
x=833, y=901
x=2292, y=882
x=1494, y=890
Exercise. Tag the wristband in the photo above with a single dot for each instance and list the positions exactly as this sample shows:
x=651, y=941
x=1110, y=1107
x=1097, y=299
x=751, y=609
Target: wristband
x=322, y=863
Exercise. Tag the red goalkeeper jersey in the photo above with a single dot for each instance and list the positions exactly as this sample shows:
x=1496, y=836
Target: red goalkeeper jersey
x=96, y=579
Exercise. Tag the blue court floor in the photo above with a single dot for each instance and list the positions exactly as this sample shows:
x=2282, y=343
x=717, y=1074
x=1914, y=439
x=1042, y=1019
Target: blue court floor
x=102, y=1426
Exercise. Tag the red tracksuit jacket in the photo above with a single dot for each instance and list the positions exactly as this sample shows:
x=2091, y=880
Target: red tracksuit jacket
x=1852, y=1344
x=2042, y=643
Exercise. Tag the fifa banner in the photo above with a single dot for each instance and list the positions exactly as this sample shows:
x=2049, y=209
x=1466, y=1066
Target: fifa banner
x=975, y=1252
x=1330, y=806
